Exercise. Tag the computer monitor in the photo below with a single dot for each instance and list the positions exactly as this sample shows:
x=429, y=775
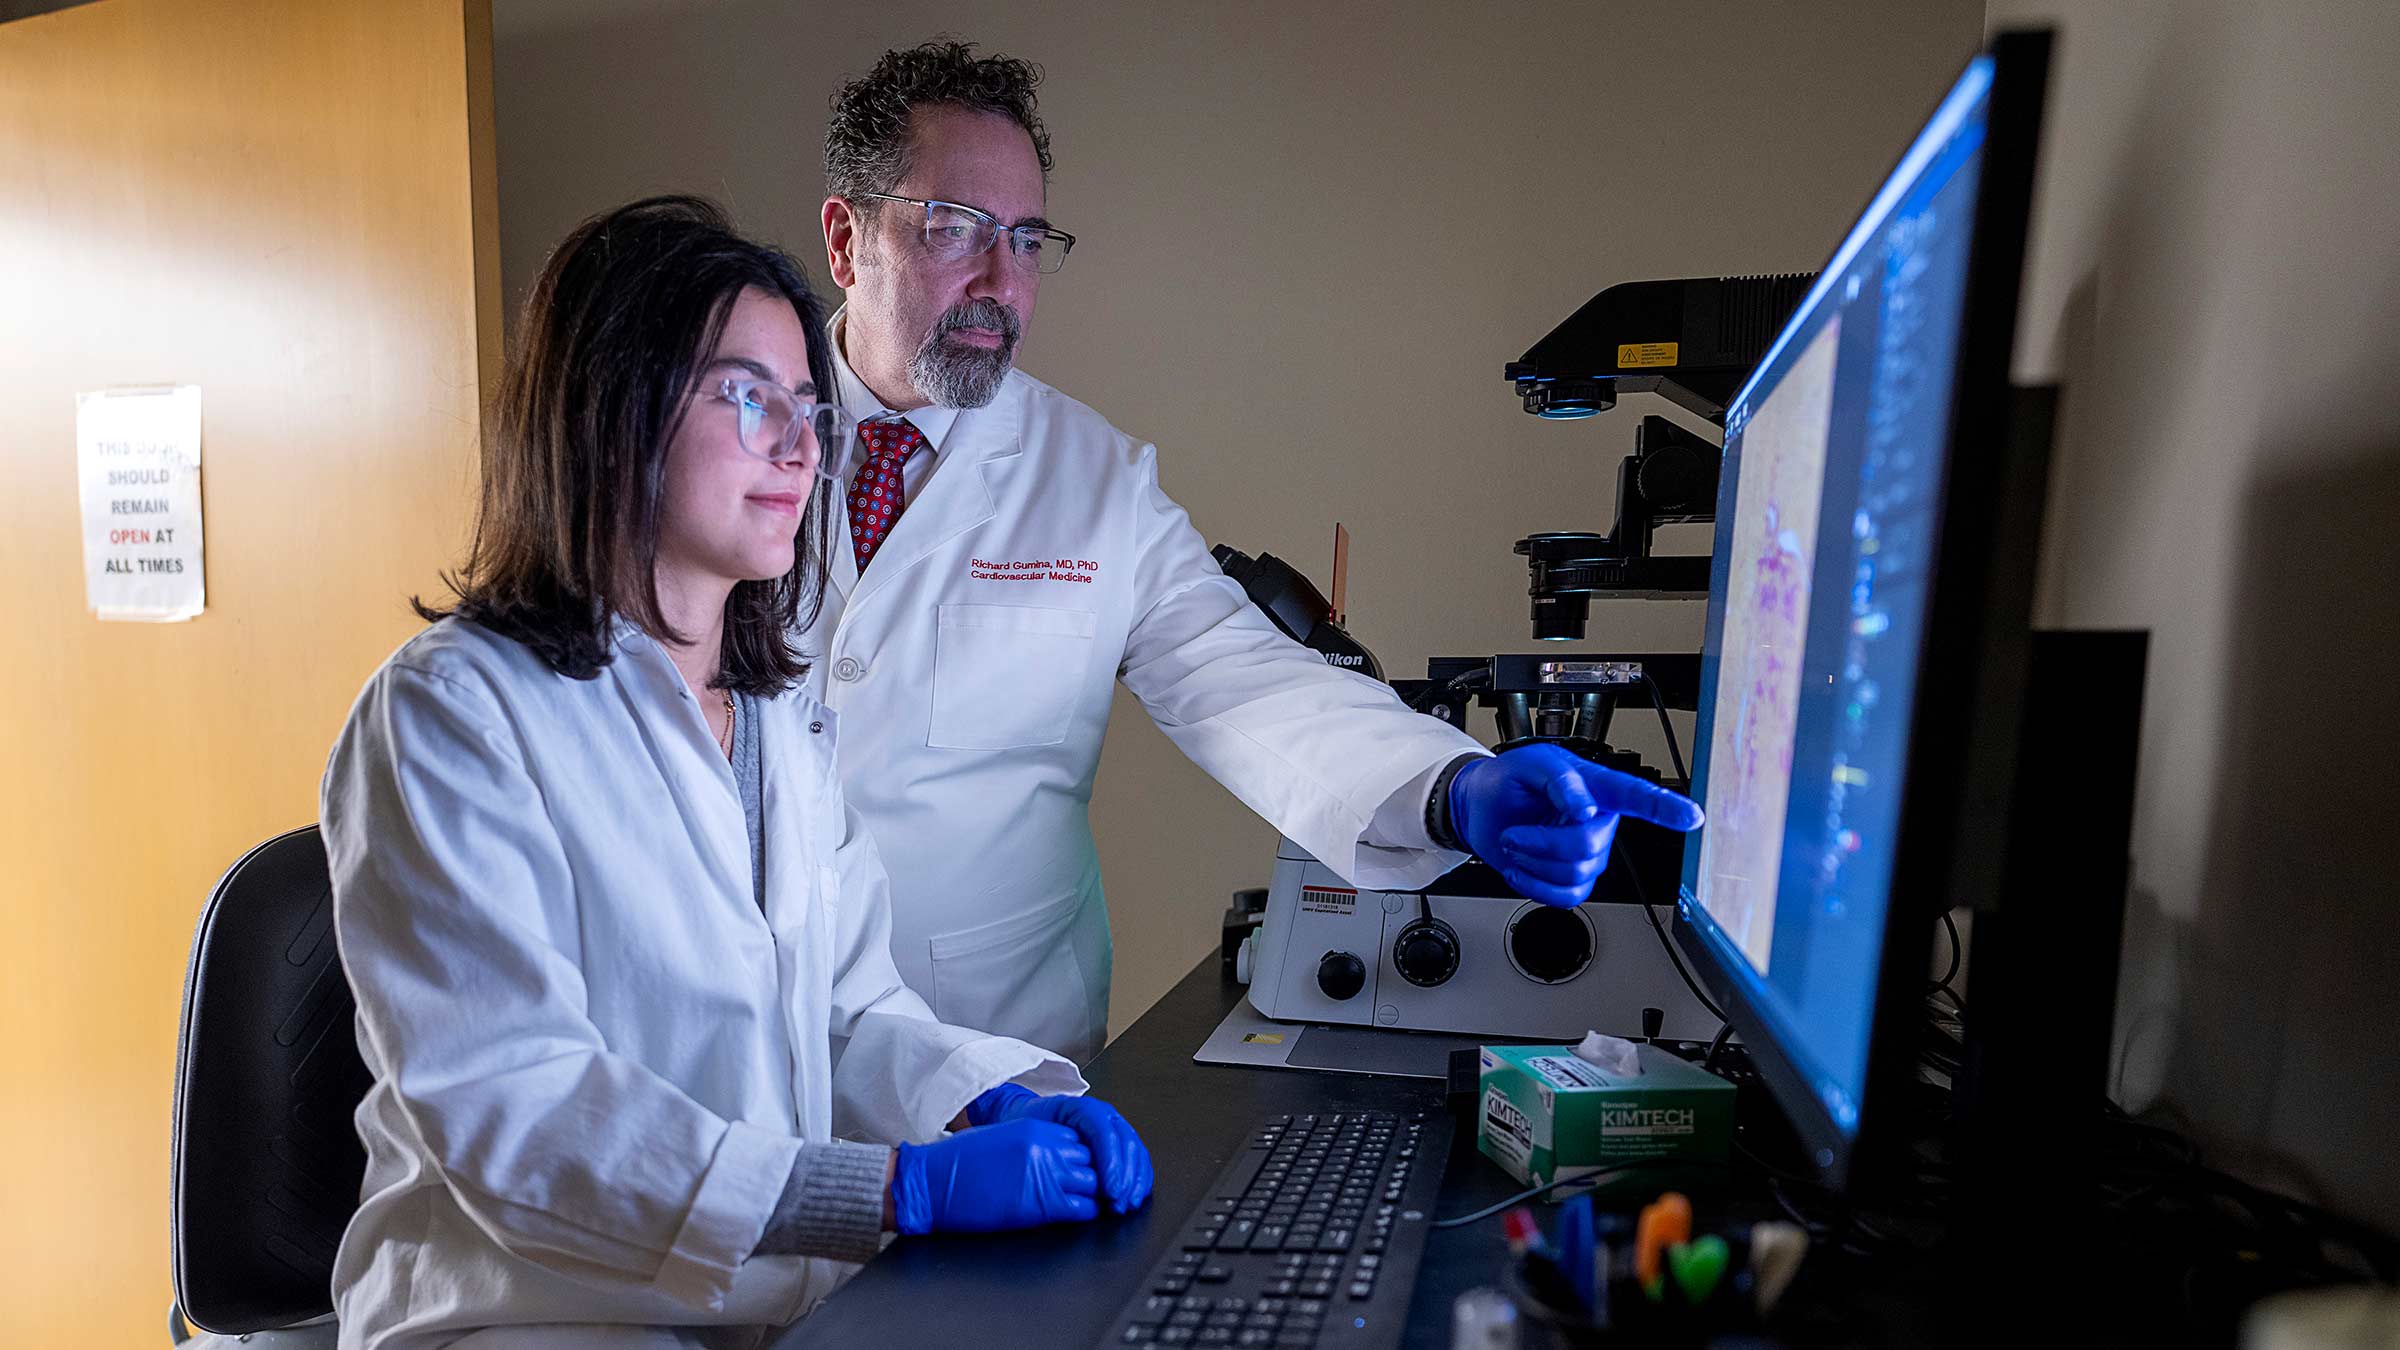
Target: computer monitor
x=1862, y=625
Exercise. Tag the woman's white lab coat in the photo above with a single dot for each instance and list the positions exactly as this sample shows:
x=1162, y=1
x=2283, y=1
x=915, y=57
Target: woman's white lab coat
x=594, y=1057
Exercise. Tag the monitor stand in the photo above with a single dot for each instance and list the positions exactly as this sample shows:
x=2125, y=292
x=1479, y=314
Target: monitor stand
x=2043, y=974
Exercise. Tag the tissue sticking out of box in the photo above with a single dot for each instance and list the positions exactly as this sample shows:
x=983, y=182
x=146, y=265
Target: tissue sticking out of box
x=1614, y=1054
x=1550, y=1114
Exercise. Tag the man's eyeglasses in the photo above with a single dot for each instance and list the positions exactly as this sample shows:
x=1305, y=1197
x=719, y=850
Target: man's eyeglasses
x=776, y=423
x=955, y=233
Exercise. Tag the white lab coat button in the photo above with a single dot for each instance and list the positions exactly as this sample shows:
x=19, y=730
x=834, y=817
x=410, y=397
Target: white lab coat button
x=848, y=668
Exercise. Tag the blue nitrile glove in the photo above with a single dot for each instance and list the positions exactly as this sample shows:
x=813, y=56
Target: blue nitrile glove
x=1123, y=1160
x=1013, y=1175
x=1545, y=816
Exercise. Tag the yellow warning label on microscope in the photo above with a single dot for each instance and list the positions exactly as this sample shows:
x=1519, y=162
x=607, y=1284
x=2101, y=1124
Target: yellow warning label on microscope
x=1636, y=355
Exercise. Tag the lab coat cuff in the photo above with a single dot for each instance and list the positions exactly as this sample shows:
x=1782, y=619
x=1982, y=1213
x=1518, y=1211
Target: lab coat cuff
x=1395, y=851
x=979, y=1066
x=1406, y=818
x=737, y=1196
x=1401, y=869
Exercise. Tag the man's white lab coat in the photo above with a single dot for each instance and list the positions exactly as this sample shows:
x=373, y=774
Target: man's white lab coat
x=594, y=1056
x=973, y=664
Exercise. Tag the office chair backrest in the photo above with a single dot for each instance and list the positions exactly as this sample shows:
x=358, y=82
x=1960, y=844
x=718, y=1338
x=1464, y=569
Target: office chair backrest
x=267, y=1075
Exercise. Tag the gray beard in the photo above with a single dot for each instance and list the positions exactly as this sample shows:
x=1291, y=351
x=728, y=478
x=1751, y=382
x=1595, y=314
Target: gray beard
x=965, y=377
x=955, y=377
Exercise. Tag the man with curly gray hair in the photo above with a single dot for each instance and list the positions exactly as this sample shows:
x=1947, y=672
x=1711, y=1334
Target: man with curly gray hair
x=868, y=155
x=1011, y=556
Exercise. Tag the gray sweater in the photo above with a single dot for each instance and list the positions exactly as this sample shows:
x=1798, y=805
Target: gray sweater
x=832, y=1204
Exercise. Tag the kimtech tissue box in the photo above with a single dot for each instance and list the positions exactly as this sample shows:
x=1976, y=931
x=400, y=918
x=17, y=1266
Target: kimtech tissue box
x=1548, y=1114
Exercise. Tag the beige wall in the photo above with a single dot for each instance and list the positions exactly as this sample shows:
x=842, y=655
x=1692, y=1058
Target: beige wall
x=2216, y=279
x=279, y=201
x=1312, y=234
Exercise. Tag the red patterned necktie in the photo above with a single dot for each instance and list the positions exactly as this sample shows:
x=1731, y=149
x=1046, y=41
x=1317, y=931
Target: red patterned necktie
x=876, y=499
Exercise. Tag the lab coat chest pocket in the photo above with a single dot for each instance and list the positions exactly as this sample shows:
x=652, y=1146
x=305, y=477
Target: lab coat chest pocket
x=1007, y=676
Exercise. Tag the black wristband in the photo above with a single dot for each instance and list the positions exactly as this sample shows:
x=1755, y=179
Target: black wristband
x=1437, y=807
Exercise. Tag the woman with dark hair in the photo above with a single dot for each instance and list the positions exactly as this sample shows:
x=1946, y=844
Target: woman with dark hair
x=640, y=1055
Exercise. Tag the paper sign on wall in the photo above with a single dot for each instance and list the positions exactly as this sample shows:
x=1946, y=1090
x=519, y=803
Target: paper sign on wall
x=138, y=457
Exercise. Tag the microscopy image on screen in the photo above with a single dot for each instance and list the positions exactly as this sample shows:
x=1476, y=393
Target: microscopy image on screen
x=1766, y=626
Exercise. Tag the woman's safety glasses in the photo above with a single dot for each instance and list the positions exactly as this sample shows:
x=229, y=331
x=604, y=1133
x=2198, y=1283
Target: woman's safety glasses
x=778, y=425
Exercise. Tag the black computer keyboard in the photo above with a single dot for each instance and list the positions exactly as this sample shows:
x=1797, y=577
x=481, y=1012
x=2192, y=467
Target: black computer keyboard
x=1309, y=1237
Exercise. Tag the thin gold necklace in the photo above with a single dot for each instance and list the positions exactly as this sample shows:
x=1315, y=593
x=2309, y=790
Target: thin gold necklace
x=725, y=742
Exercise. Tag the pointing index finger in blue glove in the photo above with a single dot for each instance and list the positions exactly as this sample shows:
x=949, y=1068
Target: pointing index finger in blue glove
x=1630, y=796
x=1545, y=817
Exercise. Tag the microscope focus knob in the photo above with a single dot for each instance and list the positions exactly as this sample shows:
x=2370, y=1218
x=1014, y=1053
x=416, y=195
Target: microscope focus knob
x=1426, y=952
x=1341, y=975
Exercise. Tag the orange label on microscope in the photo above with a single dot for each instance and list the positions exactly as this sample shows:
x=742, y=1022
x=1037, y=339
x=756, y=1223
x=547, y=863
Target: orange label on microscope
x=1636, y=355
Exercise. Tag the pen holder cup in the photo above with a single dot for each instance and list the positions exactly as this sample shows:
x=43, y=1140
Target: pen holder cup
x=1541, y=1326
x=1627, y=1317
